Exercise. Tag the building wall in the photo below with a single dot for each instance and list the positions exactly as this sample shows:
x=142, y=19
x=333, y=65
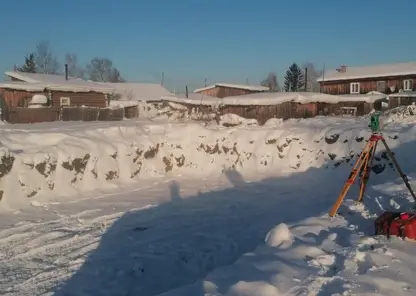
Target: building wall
x=222, y=92
x=15, y=98
x=366, y=85
x=91, y=99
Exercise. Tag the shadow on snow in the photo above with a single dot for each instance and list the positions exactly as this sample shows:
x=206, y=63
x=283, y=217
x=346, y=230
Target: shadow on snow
x=154, y=250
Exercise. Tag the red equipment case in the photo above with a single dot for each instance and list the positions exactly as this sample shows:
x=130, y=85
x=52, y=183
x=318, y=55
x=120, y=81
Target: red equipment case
x=399, y=224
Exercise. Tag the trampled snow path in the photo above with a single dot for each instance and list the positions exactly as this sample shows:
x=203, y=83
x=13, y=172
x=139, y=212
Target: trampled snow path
x=162, y=247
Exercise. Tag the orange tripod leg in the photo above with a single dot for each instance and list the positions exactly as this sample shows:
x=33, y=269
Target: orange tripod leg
x=366, y=171
x=355, y=171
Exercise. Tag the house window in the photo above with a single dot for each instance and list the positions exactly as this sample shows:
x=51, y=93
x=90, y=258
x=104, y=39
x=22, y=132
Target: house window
x=408, y=85
x=381, y=86
x=355, y=88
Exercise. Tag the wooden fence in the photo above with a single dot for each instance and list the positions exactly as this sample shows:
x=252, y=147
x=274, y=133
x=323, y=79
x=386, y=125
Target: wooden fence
x=49, y=114
x=286, y=110
x=397, y=101
x=32, y=115
x=91, y=114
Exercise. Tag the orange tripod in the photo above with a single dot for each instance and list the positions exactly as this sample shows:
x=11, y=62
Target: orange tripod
x=363, y=166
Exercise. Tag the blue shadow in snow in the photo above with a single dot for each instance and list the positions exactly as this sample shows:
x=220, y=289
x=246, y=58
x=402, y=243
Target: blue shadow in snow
x=152, y=251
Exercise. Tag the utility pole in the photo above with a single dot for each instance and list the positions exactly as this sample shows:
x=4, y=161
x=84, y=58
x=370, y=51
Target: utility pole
x=306, y=79
x=205, y=82
x=247, y=80
x=162, y=78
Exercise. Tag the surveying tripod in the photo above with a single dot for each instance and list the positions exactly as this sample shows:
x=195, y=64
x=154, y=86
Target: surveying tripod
x=363, y=166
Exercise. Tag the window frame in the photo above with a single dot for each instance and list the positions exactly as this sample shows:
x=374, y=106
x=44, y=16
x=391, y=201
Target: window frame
x=408, y=82
x=384, y=83
x=352, y=84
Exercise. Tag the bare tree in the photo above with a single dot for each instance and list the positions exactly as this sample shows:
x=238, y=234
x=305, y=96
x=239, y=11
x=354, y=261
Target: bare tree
x=73, y=69
x=46, y=62
x=271, y=82
x=102, y=70
x=313, y=74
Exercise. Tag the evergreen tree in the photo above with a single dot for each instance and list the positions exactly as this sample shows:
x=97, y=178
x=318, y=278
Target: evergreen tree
x=30, y=64
x=294, y=78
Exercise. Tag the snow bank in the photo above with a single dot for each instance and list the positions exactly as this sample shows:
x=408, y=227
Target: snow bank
x=115, y=104
x=193, y=99
x=317, y=256
x=45, y=162
x=273, y=98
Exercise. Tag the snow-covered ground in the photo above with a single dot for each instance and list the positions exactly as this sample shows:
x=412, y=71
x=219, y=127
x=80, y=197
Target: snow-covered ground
x=150, y=208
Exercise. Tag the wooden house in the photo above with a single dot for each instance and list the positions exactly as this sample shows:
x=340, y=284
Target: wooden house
x=18, y=94
x=387, y=79
x=222, y=90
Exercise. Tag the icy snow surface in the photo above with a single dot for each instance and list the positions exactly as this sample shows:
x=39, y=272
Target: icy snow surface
x=183, y=209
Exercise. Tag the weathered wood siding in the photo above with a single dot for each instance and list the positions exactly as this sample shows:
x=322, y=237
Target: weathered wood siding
x=223, y=92
x=48, y=114
x=260, y=113
x=90, y=99
x=91, y=114
x=342, y=87
x=33, y=115
x=335, y=109
x=395, y=102
x=17, y=98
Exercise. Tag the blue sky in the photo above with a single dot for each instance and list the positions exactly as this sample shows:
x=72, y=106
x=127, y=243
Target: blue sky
x=220, y=40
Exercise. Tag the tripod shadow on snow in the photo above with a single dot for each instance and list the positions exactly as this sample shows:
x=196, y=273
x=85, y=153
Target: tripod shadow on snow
x=180, y=243
x=234, y=177
x=175, y=191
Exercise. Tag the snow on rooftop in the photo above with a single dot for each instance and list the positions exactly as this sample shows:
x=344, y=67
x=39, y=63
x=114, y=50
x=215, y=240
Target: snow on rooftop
x=404, y=94
x=38, y=77
x=275, y=98
x=65, y=85
x=138, y=91
x=398, y=69
x=193, y=99
x=229, y=85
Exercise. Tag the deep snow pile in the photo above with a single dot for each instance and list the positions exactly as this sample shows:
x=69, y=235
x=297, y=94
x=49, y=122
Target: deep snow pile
x=69, y=159
x=149, y=241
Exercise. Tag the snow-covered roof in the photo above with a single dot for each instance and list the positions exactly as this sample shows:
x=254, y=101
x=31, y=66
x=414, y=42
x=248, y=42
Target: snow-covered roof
x=398, y=69
x=274, y=98
x=239, y=86
x=404, y=94
x=193, y=99
x=67, y=85
x=38, y=77
x=297, y=97
x=138, y=91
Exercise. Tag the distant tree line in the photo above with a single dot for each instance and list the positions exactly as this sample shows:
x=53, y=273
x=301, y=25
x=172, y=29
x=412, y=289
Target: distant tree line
x=294, y=79
x=42, y=60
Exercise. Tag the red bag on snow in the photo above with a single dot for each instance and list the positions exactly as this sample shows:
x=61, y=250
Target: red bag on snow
x=396, y=223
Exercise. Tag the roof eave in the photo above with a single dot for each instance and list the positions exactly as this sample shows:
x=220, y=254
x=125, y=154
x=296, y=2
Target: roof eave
x=324, y=79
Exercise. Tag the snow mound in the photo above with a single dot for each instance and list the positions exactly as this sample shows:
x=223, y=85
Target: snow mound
x=258, y=288
x=403, y=114
x=234, y=120
x=73, y=158
x=279, y=236
x=273, y=122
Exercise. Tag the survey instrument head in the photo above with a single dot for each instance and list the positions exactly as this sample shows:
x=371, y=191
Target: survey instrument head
x=376, y=124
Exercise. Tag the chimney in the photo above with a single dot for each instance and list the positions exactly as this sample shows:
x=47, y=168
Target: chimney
x=66, y=71
x=342, y=69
